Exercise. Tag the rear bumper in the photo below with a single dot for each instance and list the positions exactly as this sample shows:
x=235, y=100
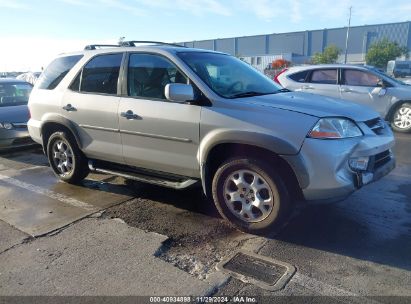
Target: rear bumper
x=327, y=175
x=34, y=129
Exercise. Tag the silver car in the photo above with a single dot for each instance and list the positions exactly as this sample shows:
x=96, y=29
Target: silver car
x=365, y=85
x=175, y=116
x=14, y=113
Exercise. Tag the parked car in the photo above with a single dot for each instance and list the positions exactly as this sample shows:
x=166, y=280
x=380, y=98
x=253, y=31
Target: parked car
x=365, y=85
x=399, y=68
x=14, y=113
x=162, y=114
x=30, y=77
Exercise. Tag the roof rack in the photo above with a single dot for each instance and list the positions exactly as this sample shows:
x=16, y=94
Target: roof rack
x=133, y=43
x=95, y=46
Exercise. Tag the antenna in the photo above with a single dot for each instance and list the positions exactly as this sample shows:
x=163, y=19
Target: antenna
x=346, y=39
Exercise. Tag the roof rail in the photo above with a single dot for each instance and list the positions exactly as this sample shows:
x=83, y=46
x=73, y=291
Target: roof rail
x=95, y=46
x=133, y=43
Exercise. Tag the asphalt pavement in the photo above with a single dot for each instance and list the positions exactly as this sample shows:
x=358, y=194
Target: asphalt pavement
x=111, y=236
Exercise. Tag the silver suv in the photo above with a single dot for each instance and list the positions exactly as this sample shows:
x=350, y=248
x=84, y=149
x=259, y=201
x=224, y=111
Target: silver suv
x=365, y=85
x=175, y=116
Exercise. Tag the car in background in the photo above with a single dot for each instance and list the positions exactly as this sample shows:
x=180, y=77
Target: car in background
x=399, y=68
x=365, y=85
x=30, y=77
x=14, y=113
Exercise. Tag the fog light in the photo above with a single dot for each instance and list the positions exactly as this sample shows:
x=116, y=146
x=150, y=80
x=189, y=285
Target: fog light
x=359, y=163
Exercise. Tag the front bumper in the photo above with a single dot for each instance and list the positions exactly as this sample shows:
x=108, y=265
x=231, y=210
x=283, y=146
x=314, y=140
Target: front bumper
x=328, y=176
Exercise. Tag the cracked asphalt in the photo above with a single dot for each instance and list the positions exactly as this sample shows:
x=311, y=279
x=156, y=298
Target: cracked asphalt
x=358, y=247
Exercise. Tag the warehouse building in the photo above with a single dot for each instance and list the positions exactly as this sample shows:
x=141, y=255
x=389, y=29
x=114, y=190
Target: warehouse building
x=299, y=47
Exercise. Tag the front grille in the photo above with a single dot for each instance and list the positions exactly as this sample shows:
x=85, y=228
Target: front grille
x=382, y=158
x=377, y=125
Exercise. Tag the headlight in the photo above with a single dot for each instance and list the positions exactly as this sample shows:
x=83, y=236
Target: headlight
x=6, y=125
x=335, y=128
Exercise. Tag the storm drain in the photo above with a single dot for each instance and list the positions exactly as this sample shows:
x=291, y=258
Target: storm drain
x=259, y=270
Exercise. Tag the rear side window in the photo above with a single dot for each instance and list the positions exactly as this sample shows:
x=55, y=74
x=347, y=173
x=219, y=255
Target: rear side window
x=300, y=76
x=56, y=71
x=326, y=76
x=100, y=75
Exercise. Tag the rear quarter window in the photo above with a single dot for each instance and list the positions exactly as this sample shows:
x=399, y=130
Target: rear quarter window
x=56, y=71
x=299, y=76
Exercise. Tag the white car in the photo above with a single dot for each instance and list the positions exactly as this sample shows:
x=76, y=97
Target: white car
x=365, y=85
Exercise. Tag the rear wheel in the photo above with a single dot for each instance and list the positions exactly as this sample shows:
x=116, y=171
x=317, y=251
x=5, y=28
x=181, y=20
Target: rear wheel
x=65, y=158
x=401, y=119
x=251, y=195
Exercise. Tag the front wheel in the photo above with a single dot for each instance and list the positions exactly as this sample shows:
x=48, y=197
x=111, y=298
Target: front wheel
x=65, y=158
x=401, y=119
x=251, y=195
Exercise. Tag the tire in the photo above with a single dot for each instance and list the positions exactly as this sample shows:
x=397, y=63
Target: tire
x=69, y=165
x=401, y=118
x=261, y=183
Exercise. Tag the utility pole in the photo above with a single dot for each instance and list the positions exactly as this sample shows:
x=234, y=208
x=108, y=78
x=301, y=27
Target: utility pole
x=348, y=35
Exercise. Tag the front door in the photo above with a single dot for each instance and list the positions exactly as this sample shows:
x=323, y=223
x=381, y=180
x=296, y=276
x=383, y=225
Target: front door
x=156, y=133
x=362, y=87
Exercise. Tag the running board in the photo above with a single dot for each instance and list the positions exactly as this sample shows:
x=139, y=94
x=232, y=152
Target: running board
x=145, y=177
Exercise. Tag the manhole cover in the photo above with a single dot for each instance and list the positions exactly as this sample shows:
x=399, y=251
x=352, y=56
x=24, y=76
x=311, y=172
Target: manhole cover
x=259, y=270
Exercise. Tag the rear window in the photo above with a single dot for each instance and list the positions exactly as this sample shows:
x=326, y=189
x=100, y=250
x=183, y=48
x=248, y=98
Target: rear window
x=56, y=71
x=326, y=76
x=300, y=76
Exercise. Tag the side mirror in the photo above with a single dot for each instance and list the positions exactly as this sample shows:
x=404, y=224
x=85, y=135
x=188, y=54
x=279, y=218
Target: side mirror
x=179, y=92
x=381, y=84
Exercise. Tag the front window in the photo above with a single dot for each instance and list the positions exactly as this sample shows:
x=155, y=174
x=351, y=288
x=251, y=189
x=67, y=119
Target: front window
x=228, y=76
x=360, y=78
x=14, y=94
x=149, y=74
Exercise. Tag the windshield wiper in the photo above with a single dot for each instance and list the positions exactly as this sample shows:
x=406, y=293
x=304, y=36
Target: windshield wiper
x=283, y=90
x=249, y=94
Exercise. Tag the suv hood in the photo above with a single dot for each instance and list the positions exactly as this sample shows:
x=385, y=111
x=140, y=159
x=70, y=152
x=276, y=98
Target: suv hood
x=14, y=114
x=315, y=105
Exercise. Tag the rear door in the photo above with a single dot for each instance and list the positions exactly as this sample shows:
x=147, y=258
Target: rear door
x=156, y=133
x=362, y=87
x=92, y=103
x=323, y=82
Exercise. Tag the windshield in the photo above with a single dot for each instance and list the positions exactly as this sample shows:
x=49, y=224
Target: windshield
x=14, y=94
x=228, y=76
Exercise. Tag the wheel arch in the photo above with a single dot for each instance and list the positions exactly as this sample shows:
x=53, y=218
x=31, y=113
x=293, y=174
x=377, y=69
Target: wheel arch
x=54, y=123
x=222, y=151
x=394, y=107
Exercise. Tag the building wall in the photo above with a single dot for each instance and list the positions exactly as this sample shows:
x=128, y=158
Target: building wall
x=305, y=44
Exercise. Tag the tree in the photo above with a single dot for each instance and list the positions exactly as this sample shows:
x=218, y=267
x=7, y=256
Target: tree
x=330, y=55
x=382, y=51
x=280, y=64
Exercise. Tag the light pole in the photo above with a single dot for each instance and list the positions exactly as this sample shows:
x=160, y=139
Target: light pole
x=348, y=34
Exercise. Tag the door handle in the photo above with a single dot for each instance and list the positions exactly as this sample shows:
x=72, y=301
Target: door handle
x=69, y=108
x=346, y=90
x=307, y=87
x=129, y=115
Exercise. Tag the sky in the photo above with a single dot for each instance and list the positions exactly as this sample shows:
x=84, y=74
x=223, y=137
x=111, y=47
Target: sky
x=32, y=32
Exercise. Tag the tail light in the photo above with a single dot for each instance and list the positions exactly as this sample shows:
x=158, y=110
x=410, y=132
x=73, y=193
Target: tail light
x=276, y=76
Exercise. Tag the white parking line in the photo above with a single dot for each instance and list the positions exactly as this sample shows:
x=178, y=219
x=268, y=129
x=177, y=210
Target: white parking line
x=326, y=289
x=51, y=194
